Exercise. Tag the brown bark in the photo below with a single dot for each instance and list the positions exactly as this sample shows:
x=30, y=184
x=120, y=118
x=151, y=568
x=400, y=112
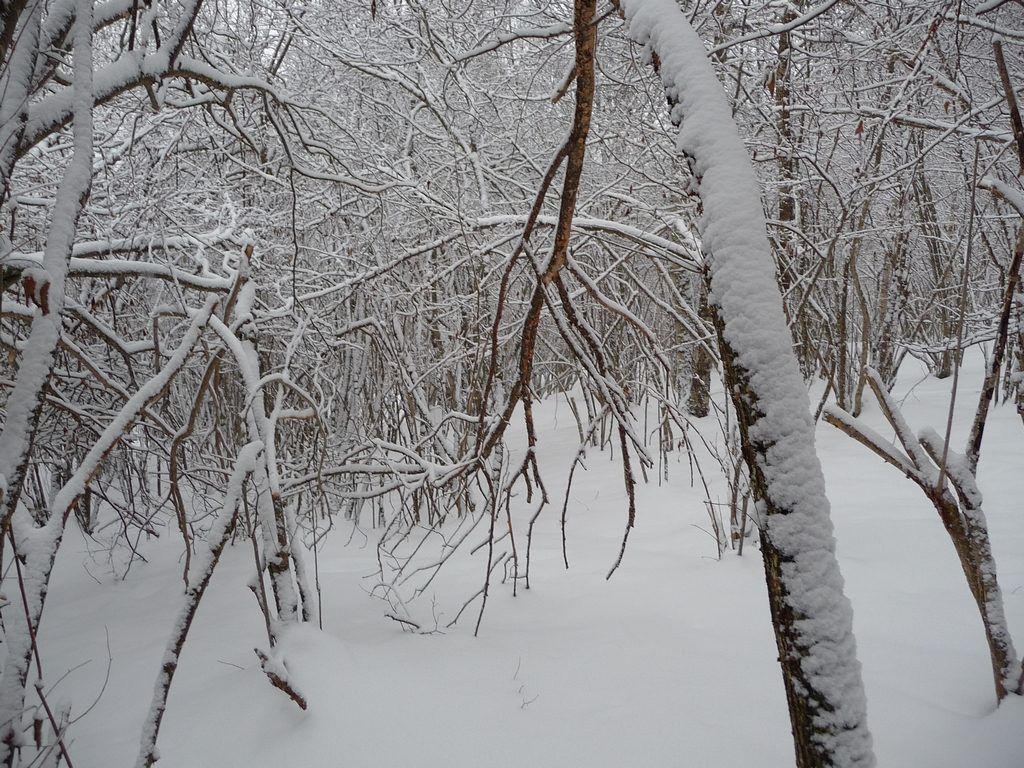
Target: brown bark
x=699, y=401
x=574, y=152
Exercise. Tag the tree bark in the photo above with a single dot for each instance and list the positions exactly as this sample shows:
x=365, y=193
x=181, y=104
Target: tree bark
x=812, y=618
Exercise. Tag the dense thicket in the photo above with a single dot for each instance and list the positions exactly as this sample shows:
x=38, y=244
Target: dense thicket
x=269, y=266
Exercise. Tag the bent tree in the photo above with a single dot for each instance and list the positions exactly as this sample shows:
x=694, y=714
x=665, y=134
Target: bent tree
x=928, y=459
x=812, y=618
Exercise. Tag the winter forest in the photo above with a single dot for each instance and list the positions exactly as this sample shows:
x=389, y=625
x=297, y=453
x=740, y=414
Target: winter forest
x=511, y=382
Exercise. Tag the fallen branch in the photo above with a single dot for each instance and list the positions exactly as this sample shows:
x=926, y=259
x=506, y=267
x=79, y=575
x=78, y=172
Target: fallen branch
x=277, y=673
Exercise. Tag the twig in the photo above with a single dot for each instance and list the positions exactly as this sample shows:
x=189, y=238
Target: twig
x=57, y=730
x=400, y=620
x=960, y=326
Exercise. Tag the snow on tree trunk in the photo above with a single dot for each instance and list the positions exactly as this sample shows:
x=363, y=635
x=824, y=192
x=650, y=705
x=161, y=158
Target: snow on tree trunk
x=973, y=547
x=961, y=515
x=279, y=554
x=245, y=464
x=38, y=546
x=25, y=400
x=45, y=285
x=14, y=86
x=811, y=616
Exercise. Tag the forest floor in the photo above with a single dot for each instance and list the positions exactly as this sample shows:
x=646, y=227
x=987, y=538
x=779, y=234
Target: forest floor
x=670, y=663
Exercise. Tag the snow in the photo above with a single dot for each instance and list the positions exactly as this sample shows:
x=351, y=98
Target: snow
x=1004, y=190
x=15, y=81
x=685, y=256
x=37, y=360
x=39, y=546
x=777, y=29
x=744, y=289
x=892, y=454
x=671, y=662
x=22, y=406
x=86, y=259
x=199, y=579
x=121, y=423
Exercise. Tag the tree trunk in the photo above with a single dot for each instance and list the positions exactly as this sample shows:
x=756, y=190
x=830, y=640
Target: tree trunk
x=698, y=402
x=812, y=619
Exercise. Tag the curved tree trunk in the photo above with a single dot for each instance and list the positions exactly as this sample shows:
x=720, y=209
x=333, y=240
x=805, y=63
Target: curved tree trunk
x=811, y=616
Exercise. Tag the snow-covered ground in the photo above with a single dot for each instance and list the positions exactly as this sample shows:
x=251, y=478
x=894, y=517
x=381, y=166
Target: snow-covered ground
x=670, y=663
